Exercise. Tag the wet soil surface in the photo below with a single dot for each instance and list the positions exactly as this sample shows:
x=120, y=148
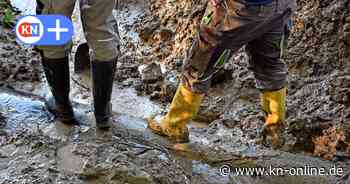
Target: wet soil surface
x=34, y=148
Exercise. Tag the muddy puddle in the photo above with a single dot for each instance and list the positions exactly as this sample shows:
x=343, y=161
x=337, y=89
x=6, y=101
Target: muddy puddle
x=93, y=156
x=28, y=113
x=22, y=111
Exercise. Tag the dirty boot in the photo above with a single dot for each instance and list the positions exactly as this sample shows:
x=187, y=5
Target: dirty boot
x=57, y=76
x=273, y=135
x=273, y=103
x=183, y=108
x=102, y=79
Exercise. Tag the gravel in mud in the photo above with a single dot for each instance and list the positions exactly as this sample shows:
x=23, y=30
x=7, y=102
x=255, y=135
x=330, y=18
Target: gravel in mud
x=156, y=35
x=318, y=60
x=17, y=63
x=52, y=152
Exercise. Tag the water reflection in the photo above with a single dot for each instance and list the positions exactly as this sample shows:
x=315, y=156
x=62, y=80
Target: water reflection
x=23, y=111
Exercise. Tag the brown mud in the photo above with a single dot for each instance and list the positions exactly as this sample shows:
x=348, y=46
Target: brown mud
x=34, y=148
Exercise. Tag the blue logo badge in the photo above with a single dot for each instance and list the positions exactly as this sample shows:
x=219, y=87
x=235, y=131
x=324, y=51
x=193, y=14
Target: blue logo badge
x=44, y=30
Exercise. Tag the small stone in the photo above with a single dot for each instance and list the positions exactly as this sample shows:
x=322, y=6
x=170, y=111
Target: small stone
x=155, y=95
x=128, y=82
x=151, y=73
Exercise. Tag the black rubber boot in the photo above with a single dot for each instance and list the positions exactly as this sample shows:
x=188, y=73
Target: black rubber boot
x=102, y=79
x=57, y=76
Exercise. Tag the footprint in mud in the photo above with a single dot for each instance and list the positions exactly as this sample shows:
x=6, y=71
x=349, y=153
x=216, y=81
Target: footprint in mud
x=68, y=161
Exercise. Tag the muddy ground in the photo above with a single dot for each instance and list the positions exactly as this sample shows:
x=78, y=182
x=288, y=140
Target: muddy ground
x=34, y=148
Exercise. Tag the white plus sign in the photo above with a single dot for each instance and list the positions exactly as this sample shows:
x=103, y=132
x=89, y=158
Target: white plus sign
x=58, y=30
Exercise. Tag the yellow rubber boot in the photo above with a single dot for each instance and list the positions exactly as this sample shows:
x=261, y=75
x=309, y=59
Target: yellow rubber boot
x=273, y=103
x=184, y=108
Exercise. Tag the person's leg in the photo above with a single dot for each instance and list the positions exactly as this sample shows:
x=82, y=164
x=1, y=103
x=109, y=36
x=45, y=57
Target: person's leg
x=56, y=65
x=101, y=32
x=62, y=7
x=270, y=72
x=228, y=26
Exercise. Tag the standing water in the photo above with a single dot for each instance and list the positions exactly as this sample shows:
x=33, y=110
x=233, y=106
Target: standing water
x=27, y=7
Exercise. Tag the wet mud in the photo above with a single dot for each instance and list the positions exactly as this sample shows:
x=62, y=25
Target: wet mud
x=45, y=151
x=35, y=148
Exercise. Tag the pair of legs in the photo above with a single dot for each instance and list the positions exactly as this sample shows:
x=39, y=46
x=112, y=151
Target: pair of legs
x=100, y=28
x=232, y=25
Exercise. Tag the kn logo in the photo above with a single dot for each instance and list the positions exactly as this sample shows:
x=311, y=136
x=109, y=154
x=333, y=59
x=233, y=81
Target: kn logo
x=29, y=30
x=44, y=30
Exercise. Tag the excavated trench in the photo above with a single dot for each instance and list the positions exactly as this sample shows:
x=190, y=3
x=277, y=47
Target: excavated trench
x=34, y=148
